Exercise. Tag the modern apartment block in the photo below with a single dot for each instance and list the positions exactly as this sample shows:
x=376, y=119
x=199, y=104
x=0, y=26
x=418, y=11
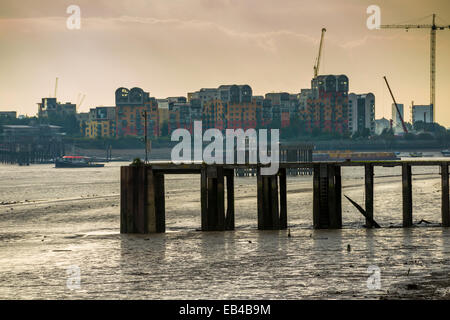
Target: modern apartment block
x=361, y=112
x=101, y=122
x=327, y=106
x=130, y=107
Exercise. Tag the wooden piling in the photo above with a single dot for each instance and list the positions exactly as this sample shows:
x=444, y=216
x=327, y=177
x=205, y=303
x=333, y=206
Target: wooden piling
x=316, y=196
x=407, y=195
x=229, y=218
x=220, y=199
x=213, y=207
x=369, y=173
x=272, y=214
x=327, y=203
x=142, y=200
x=273, y=205
x=123, y=199
x=445, y=209
x=160, y=202
x=283, y=199
x=130, y=203
x=338, y=197
x=204, y=197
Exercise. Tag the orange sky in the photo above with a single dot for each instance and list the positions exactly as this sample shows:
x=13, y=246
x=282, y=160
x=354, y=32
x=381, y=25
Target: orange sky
x=171, y=47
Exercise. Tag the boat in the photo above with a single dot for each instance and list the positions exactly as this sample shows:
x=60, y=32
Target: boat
x=415, y=154
x=446, y=153
x=337, y=155
x=76, y=162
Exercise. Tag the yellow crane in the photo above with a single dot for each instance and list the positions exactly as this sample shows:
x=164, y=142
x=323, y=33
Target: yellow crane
x=433, y=28
x=317, y=64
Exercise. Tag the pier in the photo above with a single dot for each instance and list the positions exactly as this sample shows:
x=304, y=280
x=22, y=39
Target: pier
x=142, y=202
x=24, y=145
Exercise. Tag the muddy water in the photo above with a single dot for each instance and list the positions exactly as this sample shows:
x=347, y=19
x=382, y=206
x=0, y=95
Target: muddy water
x=52, y=219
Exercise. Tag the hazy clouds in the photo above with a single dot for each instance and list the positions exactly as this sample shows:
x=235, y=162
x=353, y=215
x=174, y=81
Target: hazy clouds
x=172, y=47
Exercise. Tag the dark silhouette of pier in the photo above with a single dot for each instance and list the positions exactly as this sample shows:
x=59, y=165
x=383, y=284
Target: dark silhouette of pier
x=143, y=194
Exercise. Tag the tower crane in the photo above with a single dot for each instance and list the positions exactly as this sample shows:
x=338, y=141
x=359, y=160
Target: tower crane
x=433, y=28
x=317, y=63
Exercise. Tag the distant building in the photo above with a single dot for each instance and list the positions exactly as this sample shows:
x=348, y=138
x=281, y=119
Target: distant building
x=180, y=116
x=130, y=107
x=163, y=111
x=204, y=95
x=51, y=107
x=303, y=98
x=361, y=112
x=8, y=114
x=422, y=113
x=395, y=117
x=381, y=125
x=235, y=93
x=281, y=107
x=101, y=122
x=327, y=106
x=82, y=118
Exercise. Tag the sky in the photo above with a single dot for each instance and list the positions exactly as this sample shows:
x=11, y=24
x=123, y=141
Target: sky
x=171, y=47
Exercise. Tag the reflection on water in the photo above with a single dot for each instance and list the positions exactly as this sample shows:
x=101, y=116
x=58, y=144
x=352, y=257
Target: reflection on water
x=52, y=219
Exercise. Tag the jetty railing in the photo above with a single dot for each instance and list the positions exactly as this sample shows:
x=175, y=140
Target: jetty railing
x=143, y=194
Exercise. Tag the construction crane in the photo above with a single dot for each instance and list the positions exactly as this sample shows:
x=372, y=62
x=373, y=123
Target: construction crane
x=78, y=98
x=81, y=101
x=317, y=64
x=433, y=28
x=56, y=85
x=396, y=107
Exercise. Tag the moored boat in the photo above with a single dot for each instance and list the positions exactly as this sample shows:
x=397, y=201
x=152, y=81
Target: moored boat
x=76, y=162
x=446, y=153
x=415, y=154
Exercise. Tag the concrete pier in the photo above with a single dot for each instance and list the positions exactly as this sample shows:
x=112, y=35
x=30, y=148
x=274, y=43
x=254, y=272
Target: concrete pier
x=143, y=195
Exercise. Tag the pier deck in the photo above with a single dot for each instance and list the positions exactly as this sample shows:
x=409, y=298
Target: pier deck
x=143, y=193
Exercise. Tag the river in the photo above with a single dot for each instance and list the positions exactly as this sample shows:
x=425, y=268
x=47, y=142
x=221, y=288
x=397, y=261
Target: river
x=55, y=221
